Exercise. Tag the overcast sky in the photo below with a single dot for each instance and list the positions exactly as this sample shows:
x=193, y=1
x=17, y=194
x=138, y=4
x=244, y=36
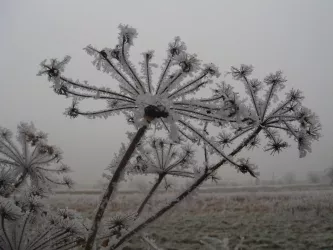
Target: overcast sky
x=294, y=36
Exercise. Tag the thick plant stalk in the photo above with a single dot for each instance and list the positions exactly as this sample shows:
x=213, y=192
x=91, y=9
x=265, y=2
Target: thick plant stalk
x=186, y=192
x=113, y=182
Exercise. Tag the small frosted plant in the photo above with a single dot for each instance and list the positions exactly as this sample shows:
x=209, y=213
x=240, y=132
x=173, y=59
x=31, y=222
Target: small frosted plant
x=28, y=171
x=27, y=223
x=31, y=160
x=162, y=158
x=171, y=102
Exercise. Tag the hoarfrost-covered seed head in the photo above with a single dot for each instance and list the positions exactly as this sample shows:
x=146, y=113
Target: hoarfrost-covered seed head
x=177, y=47
x=188, y=63
x=242, y=72
x=276, y=78
x=211, y=69
x=127, y=34
x=246, y=167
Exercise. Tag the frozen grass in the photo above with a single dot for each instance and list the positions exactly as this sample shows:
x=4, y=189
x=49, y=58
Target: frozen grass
x=280, y=219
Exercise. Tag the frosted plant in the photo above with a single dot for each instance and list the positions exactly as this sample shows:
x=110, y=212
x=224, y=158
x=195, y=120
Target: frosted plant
x=26, y=178
x=32, y=159
x=165, y=104
x=251, y=118
x=165, y=101
x=170, y=102
x=162, y=158
x=27, y=223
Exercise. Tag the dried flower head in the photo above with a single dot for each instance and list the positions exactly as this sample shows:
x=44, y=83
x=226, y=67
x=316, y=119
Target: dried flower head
x=275, y=79
x=241, y=72
x=245, y=166
x=224, y=139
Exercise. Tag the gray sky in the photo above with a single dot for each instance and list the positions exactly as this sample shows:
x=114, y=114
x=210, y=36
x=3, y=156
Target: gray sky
x=294, y=36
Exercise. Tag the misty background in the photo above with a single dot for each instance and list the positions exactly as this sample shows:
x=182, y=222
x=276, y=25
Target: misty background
x=293, y=36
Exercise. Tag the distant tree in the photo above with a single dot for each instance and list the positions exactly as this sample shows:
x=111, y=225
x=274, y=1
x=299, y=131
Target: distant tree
x=313, y=177
x=170, y=103
x=289, y=178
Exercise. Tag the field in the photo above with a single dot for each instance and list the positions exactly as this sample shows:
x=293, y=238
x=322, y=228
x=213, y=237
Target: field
x=283, y=217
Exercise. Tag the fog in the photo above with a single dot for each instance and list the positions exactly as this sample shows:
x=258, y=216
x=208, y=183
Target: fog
x=293, y=36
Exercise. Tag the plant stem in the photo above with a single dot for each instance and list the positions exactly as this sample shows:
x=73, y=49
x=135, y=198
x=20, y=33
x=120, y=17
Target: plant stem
x=49, y=240
x=150, y=194
x=40, y=237
x=5, y=233
x=162, y=76
x=108, y=192
x=23, y=228
x=186, y=192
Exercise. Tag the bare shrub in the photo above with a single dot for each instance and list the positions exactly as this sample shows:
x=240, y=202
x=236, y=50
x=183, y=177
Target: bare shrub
x=313, y=177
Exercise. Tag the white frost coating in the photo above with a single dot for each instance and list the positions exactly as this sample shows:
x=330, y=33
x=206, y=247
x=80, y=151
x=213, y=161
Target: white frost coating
x=128, y=32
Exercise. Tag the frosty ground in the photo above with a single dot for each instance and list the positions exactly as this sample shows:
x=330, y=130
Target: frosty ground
x=274, y=217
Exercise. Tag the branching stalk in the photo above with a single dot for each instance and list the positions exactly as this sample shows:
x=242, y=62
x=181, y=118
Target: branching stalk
x=148, y=77
x=129, y=67
x=267, y=101
x=187, y=85
x=87, y=87
x=116, y=70
x=170, y=83
x=252, y=96
x=162, y=76
x=23, y=228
